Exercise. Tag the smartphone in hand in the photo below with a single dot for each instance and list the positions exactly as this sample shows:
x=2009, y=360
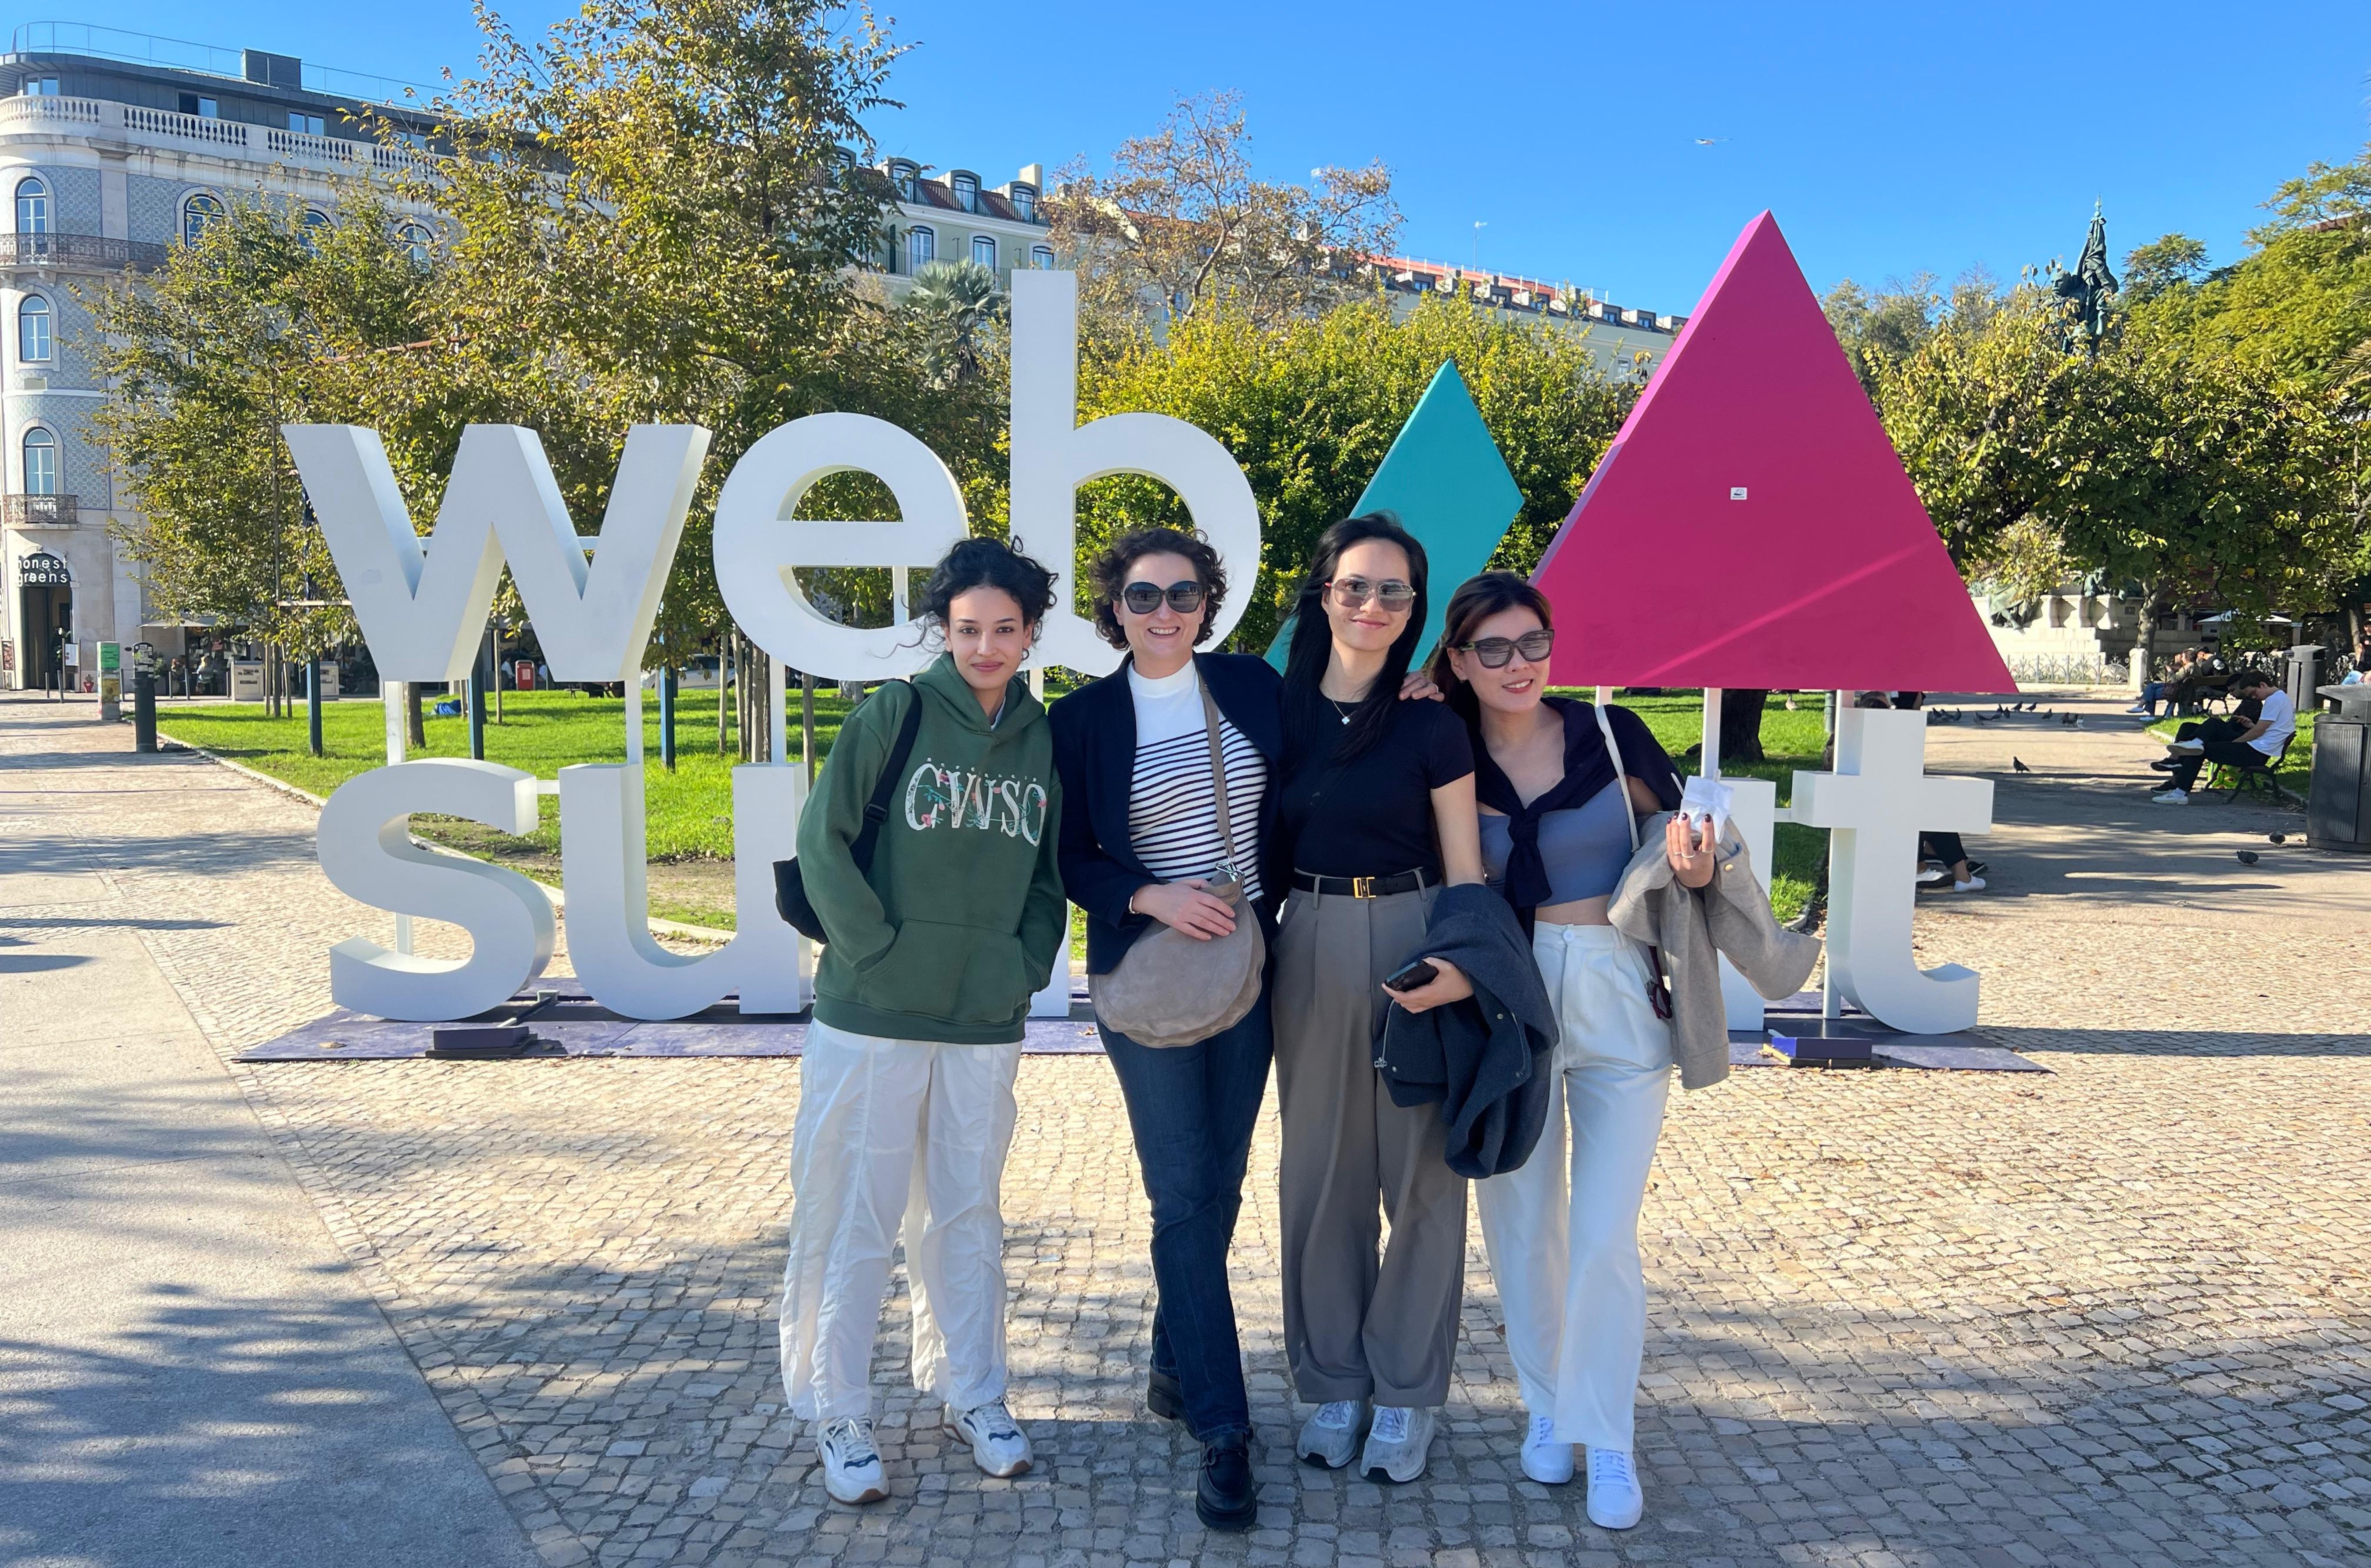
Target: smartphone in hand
x=1416, y=975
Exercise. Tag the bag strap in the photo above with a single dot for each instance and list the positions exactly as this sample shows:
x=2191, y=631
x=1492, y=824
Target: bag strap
x=876, y=810
x=1621, y=780
x=1210, y=723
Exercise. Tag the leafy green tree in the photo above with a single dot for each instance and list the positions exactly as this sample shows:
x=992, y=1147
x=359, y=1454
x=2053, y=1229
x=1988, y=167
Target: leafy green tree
x=263, y=320
x=1310, y=406
x=2168, y=262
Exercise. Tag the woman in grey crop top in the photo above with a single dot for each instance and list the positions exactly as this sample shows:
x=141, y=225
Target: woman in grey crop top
x=1557, y=783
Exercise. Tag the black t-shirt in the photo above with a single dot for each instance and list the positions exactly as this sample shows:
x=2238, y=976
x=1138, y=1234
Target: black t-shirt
x=1373, y=816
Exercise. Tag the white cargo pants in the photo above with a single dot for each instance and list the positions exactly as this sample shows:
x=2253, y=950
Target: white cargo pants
x=892, y=1129
x=1563, y=1238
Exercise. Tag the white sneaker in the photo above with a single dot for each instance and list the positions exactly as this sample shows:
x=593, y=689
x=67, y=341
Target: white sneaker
x=2141, y=708
x=2187, y=748
x=1614, y=1502
x=2171, y=797
x=998, y=1447
x=1932, y=874
x=1398, y=1443
x=1331, y=1435
x=1545, y=1460
x=1973, y=885
x=852, y=1465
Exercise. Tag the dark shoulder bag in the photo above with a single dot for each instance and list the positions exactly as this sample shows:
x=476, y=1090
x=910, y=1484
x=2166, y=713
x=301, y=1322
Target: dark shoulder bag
x=789, y=886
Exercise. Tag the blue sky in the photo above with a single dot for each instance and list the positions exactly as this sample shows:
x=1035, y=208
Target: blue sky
x=1888, y=138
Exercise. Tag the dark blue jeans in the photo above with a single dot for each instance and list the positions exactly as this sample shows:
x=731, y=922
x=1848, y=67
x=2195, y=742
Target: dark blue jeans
x=1193, y=1109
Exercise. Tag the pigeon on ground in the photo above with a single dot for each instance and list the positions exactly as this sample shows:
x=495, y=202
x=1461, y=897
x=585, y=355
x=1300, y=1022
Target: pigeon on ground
x=2248, y=857
x=2019, y=765
x=2280, y=838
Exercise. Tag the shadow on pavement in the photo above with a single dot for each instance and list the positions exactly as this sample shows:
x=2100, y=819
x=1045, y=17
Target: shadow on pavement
x=257, y=1433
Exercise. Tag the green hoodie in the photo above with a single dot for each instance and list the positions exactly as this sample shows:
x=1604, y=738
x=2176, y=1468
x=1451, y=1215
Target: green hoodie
x=961, y=918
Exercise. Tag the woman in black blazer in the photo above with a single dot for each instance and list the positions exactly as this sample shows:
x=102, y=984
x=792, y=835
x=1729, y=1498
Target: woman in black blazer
x=1140, y=837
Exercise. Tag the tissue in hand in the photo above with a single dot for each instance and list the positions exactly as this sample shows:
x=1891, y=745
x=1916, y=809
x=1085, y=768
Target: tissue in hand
x=1707, y=798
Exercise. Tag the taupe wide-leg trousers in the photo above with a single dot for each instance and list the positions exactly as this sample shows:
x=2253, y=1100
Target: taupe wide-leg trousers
x=1354, y=1327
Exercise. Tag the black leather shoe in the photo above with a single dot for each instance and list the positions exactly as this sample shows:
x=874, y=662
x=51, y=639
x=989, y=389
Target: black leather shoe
x=1225, y=1499
x=1164, y=1396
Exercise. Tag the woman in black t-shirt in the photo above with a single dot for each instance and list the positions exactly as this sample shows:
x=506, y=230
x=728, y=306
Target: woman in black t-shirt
x=1376, y=812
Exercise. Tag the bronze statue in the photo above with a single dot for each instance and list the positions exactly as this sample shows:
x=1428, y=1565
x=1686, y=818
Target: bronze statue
x=2089, y=287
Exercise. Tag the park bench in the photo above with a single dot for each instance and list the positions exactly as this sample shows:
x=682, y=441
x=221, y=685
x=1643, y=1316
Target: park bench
x=2259, y=777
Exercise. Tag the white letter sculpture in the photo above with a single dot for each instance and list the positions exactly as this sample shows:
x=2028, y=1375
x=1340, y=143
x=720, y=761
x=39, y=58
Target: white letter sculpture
x=1053, y=453
x=1876, y=803
x=423, y=603
x=603, y=862
x=757, y=544
x=366, y=852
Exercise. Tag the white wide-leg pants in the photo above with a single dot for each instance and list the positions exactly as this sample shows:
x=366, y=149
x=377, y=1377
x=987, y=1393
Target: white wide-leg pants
x=1563, y=1238
x=892, y=1130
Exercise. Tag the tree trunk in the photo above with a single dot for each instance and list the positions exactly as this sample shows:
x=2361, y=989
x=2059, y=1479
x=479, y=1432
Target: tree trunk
x=2144, y=634
x=413, y=723
x=723, y=686
x=1741, y=725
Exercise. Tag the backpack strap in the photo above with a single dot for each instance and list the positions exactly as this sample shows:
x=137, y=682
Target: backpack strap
x=876, y=810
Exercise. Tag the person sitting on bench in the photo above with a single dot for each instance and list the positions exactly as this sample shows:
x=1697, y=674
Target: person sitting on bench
x=2254, y=745
x=2156, y=692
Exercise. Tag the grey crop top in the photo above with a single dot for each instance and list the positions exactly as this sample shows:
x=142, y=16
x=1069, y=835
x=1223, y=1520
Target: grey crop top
x=1584, y=848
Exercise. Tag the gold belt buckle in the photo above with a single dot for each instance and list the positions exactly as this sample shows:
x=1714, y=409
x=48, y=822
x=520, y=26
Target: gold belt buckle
x=1362, y=886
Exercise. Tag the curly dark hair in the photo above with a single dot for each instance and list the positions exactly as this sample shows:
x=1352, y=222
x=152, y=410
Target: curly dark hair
x=988, y=564
x=1108, y=576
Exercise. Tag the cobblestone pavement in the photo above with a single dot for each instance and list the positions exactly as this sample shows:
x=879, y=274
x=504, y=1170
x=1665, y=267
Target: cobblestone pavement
x=2117, y=1316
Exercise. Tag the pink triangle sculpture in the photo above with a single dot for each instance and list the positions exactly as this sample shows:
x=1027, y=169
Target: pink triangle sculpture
x=1752, y=526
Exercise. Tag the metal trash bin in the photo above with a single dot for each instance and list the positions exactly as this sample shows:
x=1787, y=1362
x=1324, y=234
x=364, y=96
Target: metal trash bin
x=2338, y=801
x=2302, y=678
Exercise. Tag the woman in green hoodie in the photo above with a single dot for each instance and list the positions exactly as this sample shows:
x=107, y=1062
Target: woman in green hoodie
x=905, y=1086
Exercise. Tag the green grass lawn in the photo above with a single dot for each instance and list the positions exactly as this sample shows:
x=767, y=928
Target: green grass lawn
x=691, y=821
x=2294, y=775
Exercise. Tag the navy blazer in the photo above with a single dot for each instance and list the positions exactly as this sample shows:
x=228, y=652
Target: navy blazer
x=1095, y=753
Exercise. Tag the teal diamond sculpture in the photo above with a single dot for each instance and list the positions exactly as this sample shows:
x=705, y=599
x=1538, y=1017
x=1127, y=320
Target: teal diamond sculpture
x=1446, y=483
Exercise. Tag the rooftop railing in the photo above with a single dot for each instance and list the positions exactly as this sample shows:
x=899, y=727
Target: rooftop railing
x=164, y=127
x=203, y=59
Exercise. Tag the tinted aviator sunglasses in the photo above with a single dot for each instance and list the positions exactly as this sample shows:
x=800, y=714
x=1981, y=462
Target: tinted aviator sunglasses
x=1495, y=652
x=1143, y=598
x=1352, y=593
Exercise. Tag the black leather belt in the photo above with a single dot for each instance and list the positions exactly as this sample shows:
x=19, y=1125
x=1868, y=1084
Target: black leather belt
x=1364, y=886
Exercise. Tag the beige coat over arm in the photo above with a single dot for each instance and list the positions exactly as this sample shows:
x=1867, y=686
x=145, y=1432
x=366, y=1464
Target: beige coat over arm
x=1693, y=927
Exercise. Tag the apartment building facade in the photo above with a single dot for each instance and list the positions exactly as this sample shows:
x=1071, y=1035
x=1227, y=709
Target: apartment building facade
x=113, y=147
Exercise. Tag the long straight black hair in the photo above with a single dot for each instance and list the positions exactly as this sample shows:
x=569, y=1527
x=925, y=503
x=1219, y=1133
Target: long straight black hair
x=1312, y=637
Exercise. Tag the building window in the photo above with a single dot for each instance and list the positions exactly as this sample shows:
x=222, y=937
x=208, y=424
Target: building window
x=41, y=87
x=901, y=175
x=33, y=328
x=1024, y=204
x=33, y=207
x=309, y=230
x=203, y=108
x=1041, y=257
x=305, y=124
x=921, y=245
x=983, y=250
x=199, y=210
x=966, y=189
x=413, y=239
x=41, y=462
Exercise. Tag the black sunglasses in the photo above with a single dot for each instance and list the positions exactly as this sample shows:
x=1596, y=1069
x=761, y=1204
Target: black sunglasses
x=1143, y=598
x=1493, y=652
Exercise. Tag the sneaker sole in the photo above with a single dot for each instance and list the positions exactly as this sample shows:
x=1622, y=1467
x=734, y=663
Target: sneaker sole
x=1022, y=1468
x=870, y=1494
x=1382, y=1474
x=1312, y=1456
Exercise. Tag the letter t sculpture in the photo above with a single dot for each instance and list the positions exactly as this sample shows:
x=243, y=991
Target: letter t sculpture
x=1876, y=803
